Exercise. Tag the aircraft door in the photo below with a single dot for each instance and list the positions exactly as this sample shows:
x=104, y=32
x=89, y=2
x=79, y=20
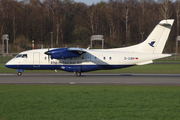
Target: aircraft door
x=88, y=58
x=36, y=59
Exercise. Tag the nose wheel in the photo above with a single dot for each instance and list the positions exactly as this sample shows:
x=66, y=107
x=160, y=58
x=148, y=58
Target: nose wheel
x=78, y=73
x=19, y=73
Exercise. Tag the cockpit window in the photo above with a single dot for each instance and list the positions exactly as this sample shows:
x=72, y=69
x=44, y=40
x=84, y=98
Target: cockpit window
x=21, y=56
x=24, y=56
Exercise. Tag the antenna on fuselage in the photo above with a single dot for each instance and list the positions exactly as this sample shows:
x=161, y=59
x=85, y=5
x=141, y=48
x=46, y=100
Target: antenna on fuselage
x=88, y=47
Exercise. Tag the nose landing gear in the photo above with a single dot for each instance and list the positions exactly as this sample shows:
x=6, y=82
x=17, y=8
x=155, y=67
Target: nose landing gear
x=19, y=72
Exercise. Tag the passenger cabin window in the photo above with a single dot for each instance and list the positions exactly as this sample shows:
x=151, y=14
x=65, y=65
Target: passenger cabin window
x=109, y=58
x=104, y=58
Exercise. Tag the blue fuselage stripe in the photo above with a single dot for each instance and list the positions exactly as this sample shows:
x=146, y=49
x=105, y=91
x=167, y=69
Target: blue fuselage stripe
x=69, y=68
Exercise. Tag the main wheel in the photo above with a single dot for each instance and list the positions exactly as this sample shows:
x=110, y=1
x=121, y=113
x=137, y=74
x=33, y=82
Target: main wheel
x=78, y=73
x=19, y=73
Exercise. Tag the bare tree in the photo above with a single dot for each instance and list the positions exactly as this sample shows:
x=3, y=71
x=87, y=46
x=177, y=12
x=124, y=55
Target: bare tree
x=111, y=20
x=165, y=8
x=125, y=19
x=177, y=9
x=5, y=15
x=144, y=7
x=91, y=17
x=65, y=11
x=117, y=20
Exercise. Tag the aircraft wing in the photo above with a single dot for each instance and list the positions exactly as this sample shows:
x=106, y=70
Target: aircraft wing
x=63, y=53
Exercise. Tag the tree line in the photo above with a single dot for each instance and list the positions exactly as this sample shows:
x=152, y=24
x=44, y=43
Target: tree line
x=122, y=22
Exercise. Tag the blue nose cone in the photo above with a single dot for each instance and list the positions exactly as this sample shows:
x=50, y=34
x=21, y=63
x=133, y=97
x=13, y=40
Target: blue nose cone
x=6, y=65
x=9, y=65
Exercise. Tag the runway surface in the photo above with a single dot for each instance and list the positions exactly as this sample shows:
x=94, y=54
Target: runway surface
x=91, y=79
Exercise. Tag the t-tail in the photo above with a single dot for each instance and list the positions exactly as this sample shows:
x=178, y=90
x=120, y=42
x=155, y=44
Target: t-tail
x=156, y=40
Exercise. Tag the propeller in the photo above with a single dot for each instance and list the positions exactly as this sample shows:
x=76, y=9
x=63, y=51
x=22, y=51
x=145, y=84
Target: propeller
x=48, y=53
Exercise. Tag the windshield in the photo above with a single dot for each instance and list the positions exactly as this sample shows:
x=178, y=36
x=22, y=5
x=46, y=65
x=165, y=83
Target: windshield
x=18, y=56
x=24, y=56
x=21, y=56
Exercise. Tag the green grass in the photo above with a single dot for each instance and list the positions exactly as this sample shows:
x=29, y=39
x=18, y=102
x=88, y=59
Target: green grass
x=48, y=102
x=5, y=58
x=152, y=68
x=4, y=69
x=167, y=61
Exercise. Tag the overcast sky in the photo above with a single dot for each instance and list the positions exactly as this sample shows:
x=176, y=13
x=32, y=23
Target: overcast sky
x=89, y=2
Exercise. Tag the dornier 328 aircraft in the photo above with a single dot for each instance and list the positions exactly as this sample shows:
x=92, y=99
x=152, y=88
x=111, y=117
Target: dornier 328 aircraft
x=79, y=60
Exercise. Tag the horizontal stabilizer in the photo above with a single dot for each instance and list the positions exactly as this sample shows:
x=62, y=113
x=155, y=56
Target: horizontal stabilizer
x=144, y=63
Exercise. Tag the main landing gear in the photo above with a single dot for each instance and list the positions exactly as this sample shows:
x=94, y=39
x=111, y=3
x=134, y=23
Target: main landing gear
x=78, y=73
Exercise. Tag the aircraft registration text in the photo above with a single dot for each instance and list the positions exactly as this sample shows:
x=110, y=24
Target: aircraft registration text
x=130, y=58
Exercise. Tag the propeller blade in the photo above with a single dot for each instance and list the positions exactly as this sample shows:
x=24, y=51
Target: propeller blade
x=48, y=58
x=48, y=53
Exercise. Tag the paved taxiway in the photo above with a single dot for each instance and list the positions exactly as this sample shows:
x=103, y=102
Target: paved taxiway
x=91, y=79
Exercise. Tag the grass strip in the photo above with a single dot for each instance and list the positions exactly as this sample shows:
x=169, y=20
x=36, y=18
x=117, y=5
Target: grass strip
x=50, y=102
x=151, y=68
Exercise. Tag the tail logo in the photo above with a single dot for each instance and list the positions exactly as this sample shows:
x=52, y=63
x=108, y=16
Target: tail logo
x=152, y=43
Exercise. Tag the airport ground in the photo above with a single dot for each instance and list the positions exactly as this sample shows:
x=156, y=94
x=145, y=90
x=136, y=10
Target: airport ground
x=91, y=79
x=121, y=94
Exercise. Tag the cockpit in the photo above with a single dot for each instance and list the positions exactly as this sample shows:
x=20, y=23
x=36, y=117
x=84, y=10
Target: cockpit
x=22, y=56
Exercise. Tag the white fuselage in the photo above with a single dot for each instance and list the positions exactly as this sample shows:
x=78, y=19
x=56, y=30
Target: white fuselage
x=36, y=59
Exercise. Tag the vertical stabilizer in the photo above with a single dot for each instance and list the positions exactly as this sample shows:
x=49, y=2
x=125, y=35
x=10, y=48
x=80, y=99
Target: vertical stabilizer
x=156, y=40
x=167, y=24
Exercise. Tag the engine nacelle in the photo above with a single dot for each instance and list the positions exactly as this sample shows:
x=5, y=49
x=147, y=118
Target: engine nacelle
x=61, y=53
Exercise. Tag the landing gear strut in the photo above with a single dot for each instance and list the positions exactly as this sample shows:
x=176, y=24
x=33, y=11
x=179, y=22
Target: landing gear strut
x=78, y=73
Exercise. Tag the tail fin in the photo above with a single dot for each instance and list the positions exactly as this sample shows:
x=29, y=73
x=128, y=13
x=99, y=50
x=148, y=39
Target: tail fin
x=156, y=40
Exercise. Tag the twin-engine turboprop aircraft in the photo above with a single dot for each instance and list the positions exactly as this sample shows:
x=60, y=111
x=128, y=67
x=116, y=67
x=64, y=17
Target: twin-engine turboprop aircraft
x=79, y=60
